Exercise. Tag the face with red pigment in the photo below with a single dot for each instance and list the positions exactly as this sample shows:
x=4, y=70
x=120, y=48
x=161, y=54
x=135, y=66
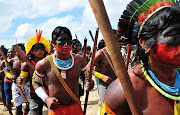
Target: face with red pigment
x=38, y=50
x=64, y=44
x=167, y=50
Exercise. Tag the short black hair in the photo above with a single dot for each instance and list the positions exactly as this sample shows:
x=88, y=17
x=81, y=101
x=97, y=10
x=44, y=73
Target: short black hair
x=101, y=44
x=21, y=45
x=60, y=31
x=75, y=41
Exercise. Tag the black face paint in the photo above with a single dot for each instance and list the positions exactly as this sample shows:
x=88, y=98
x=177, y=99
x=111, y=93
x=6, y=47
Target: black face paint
x=64, y=40
x=170, y=36
x=38, y=46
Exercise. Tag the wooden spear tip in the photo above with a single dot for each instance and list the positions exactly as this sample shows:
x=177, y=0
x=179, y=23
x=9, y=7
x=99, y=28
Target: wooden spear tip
x=97, y=29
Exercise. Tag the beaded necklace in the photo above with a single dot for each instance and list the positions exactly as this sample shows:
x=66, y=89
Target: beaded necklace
x=167, y=91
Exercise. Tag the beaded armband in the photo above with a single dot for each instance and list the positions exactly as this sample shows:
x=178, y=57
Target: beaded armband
x=38, y=77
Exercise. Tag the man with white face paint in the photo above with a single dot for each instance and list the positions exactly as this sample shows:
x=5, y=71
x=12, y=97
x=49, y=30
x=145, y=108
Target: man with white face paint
x=62, y=69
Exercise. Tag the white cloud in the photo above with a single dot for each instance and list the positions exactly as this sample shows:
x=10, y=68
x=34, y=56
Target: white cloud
x=24, y=33
x=78, y=25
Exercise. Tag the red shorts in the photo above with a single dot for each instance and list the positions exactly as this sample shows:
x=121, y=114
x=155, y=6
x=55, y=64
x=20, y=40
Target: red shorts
x=73, y=109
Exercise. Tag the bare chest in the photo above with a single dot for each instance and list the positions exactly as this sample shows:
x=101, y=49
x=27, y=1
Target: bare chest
x=153, y=103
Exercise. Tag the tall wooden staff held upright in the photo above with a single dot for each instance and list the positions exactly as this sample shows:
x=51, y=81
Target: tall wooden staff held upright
x=12, y=72
x=121, y=72
x=84, y=55
x=91, y=68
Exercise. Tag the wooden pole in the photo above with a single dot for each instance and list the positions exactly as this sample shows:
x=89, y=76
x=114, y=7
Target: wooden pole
x=121, y=72
x=128, y=55
x=84, y=55
x=24, y=57
x=76, y=36
x=12, y=73
x=91, y=69
x=91, y=35
x=85, y=43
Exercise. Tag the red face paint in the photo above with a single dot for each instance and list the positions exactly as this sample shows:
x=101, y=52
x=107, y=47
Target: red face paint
x=166, y=54
x=64, y=49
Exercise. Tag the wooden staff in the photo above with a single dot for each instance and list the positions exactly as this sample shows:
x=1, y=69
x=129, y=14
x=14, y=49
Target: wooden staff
x=12, y=73
x=85, y=43
x=24, y=57
x=76, y=36
x=84, y=55
x=128, y=55
x=121, y=72
x=91, y=68
x=91, y=35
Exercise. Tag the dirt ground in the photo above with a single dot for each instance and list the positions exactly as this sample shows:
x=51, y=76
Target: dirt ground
x=92, y=106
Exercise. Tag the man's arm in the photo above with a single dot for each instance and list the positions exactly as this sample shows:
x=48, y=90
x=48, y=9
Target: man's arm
x=24, y=75
x=7, y=71
x=98, y=57
x=38, y=75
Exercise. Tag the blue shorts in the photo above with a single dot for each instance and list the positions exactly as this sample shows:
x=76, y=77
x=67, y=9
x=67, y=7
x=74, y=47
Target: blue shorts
x=7, y=90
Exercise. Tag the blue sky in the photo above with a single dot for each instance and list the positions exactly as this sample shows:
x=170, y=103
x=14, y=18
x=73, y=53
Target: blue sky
x=20, y=18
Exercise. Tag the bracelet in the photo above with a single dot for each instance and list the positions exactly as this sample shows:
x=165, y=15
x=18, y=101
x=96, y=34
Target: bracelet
x=8, y=75
x=98, y=75
x=24, y=74
x=41, y=93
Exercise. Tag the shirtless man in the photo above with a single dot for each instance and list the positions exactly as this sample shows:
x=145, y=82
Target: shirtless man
x=104, y=70
x=70, y=66
x=2, y=68
x=155, y=77
x=16, y=66
x=36, y=48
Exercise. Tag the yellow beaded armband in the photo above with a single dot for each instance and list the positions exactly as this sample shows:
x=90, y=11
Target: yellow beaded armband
x=36, y=78
x=8, y=75
x=24, y=74
x=98, y=75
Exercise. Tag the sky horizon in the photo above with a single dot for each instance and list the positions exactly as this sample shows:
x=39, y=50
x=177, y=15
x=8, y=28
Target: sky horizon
x=20, y=18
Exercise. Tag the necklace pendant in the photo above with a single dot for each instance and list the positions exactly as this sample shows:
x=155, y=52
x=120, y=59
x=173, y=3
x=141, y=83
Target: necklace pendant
x=63, y=74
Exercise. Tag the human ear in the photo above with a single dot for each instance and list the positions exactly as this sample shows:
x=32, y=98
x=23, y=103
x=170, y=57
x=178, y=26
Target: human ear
x=31, y=52
x=146, y=48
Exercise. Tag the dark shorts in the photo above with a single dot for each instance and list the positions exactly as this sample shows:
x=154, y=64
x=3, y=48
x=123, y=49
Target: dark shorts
x=7, y=90
x=36, y=106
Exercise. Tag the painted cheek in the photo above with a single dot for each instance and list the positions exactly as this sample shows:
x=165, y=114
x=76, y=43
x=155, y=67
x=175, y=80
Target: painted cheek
x=166, y=54
x=64, y=49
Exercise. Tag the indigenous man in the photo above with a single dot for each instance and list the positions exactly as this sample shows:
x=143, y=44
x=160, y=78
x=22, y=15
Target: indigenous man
x=16, y=66
x=76, y=46
x=62, y=69
x=104, y=70
x=155, y=77
x=2, y=68
x=36, y=48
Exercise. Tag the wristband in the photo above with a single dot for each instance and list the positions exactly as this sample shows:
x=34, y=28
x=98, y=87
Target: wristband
x=41, y=93
x=98, y=75
x=24, y=74
x=8, y=75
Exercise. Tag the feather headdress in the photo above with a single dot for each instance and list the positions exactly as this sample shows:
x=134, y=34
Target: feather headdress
x=136, y=14
x=38, y=39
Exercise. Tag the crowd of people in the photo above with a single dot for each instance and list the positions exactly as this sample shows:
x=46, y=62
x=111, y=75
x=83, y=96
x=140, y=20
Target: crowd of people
x=59, y=65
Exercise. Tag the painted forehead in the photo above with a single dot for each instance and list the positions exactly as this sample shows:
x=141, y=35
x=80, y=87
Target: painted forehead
x=38, y=45
x=171, y=35
x=64, y=37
